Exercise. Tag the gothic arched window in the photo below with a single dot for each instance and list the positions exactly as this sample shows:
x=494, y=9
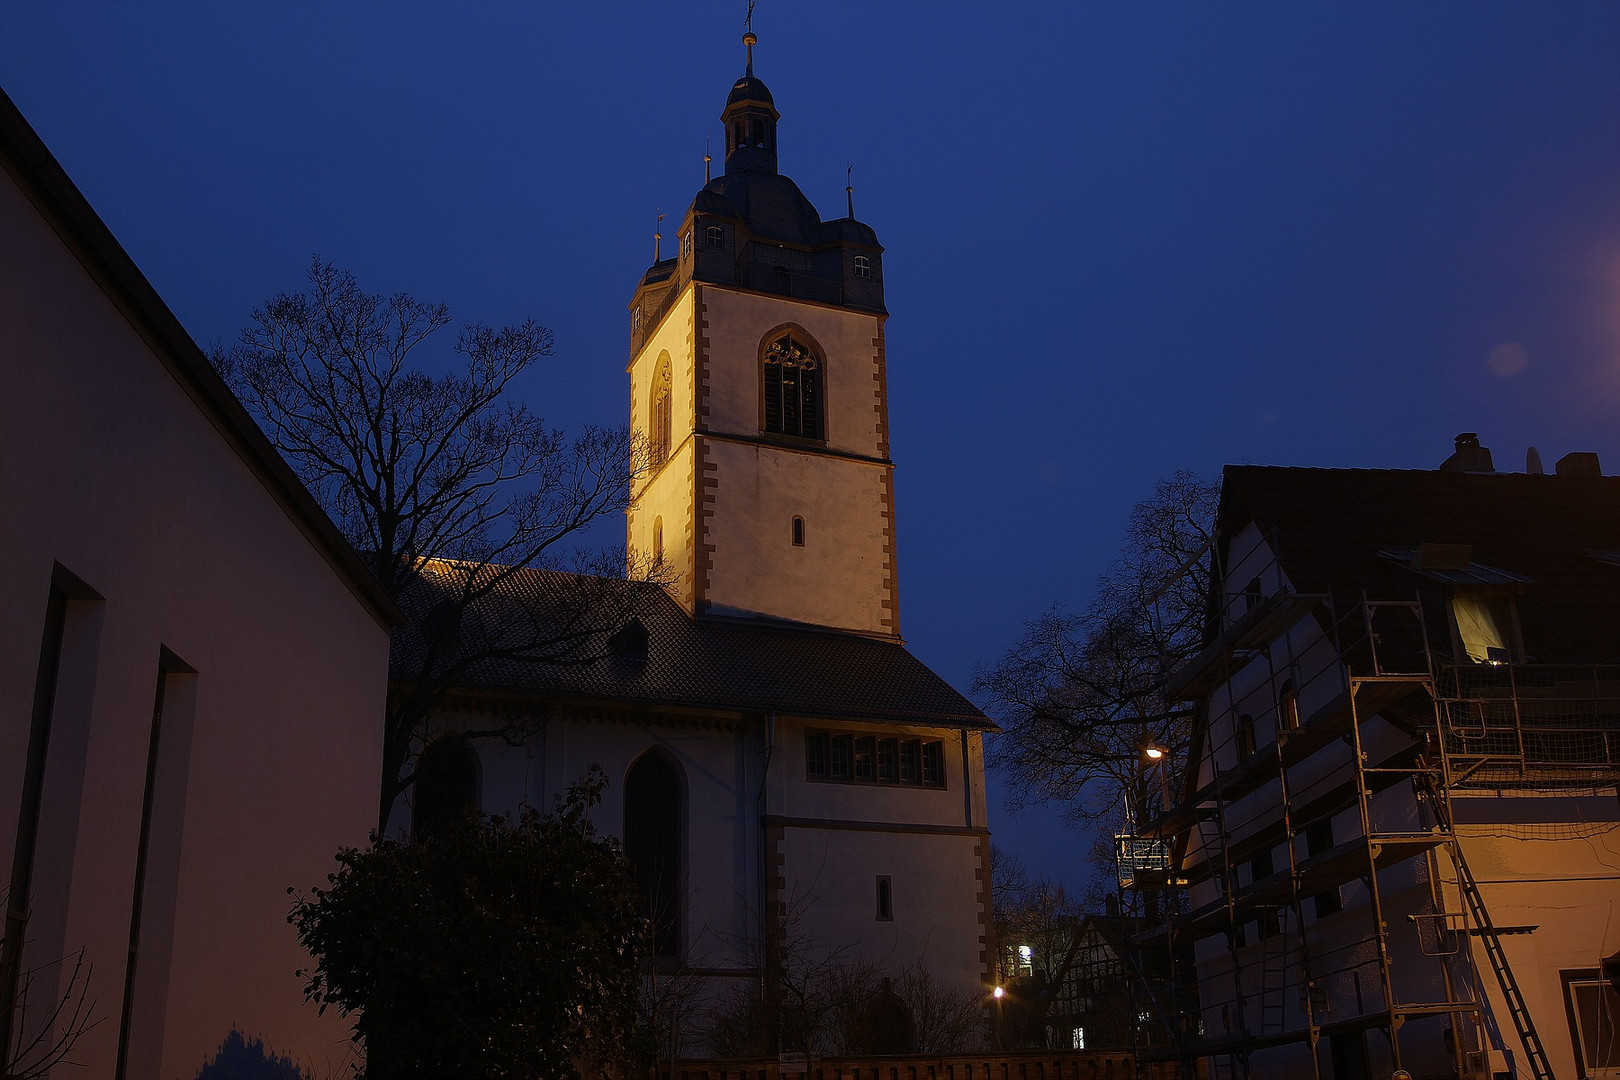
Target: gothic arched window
x=660, y=420
x=793, y=383
x=652, y=843
x=445, y=788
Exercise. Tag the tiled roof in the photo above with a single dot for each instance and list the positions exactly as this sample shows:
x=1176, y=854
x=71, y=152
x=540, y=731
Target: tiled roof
x=707, y=663
x=1334, y=528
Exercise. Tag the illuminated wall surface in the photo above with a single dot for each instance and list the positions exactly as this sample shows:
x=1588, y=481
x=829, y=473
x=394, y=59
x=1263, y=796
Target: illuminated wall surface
x=154, y=557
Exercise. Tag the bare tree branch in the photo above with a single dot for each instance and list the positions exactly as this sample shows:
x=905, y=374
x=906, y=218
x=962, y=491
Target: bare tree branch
x=1079, y=695
x=441, y=473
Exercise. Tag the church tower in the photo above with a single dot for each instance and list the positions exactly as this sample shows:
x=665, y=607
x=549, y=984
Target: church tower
x=759, y=394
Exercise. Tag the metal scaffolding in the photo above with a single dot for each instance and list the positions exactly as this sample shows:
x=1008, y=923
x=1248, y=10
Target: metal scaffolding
x=1254, y=838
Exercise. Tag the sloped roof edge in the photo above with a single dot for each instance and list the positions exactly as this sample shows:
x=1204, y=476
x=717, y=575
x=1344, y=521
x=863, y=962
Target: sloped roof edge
x=58, y=200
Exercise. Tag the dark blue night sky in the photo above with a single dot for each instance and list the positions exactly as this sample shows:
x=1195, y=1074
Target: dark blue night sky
x=1123, y=239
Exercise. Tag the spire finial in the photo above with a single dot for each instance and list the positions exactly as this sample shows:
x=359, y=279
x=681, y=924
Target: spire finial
x=706, y=159
x=849, y=188
x=658, y=235
x=749, y=40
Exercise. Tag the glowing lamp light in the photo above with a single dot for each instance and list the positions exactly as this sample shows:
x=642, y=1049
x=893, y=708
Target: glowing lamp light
x=1154, y=753
x=998, y=993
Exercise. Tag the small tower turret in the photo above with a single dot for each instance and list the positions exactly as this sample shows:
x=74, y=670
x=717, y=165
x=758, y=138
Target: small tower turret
x=750, y=120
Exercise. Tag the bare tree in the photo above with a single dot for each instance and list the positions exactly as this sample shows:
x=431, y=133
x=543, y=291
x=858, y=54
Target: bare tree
x=49, y=1017
x=446, y=472
x=1079, y=695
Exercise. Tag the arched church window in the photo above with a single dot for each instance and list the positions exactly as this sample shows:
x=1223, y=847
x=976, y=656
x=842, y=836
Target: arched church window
x=652, y=843
x=661, y=419
x=792, y=378
x=445, y=789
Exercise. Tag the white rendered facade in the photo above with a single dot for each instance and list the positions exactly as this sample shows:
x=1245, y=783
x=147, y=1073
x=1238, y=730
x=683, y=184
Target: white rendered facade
x=206, y=732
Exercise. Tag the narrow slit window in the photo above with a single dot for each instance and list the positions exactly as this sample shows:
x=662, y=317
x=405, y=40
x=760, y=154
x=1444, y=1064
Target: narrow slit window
x=885, y=899
x=798, y=532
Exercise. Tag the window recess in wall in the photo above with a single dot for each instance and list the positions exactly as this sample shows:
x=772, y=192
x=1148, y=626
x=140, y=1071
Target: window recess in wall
x=871, y=759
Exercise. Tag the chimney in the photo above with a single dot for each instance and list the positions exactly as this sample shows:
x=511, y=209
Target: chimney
x=1469, y=457
x=1580, y=463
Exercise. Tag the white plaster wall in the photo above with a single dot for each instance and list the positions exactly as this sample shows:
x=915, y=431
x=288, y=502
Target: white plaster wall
x=1561, y=877
x=107, y=468
x=736, y=324
x=830, y=877
x=666, y=491
x=838, y=577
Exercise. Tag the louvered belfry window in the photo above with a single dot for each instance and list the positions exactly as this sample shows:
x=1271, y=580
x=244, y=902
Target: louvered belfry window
x=792, y=389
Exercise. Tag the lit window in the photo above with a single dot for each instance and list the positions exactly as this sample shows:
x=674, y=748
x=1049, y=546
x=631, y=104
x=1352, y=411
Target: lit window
x=1483, y=623
x=792, y=378
x=1079, y=1038
x=1026, y=955
x=717, y=236
x=863, y=266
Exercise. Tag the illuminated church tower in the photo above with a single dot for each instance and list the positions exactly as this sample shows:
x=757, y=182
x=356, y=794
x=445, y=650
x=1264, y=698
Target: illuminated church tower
x=758, y=386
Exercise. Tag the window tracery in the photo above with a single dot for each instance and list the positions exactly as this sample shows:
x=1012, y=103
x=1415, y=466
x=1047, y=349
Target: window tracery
x=792, y=377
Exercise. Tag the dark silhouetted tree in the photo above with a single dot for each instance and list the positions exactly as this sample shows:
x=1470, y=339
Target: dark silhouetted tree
x=486, y=949
x=1079, y=695
x=446, y=473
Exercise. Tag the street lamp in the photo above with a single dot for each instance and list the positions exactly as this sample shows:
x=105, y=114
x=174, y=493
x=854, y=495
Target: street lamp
x=998, y=993
x=1154, y=754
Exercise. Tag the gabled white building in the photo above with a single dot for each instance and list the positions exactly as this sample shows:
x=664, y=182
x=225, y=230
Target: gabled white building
x=1400, y=824
x=193, y=670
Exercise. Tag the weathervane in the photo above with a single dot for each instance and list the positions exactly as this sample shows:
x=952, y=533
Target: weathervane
x=849, y=188
x=748, y=37
x=658, y=234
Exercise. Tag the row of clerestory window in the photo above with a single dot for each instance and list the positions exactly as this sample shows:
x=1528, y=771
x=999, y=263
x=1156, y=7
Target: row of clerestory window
x=874, y=759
